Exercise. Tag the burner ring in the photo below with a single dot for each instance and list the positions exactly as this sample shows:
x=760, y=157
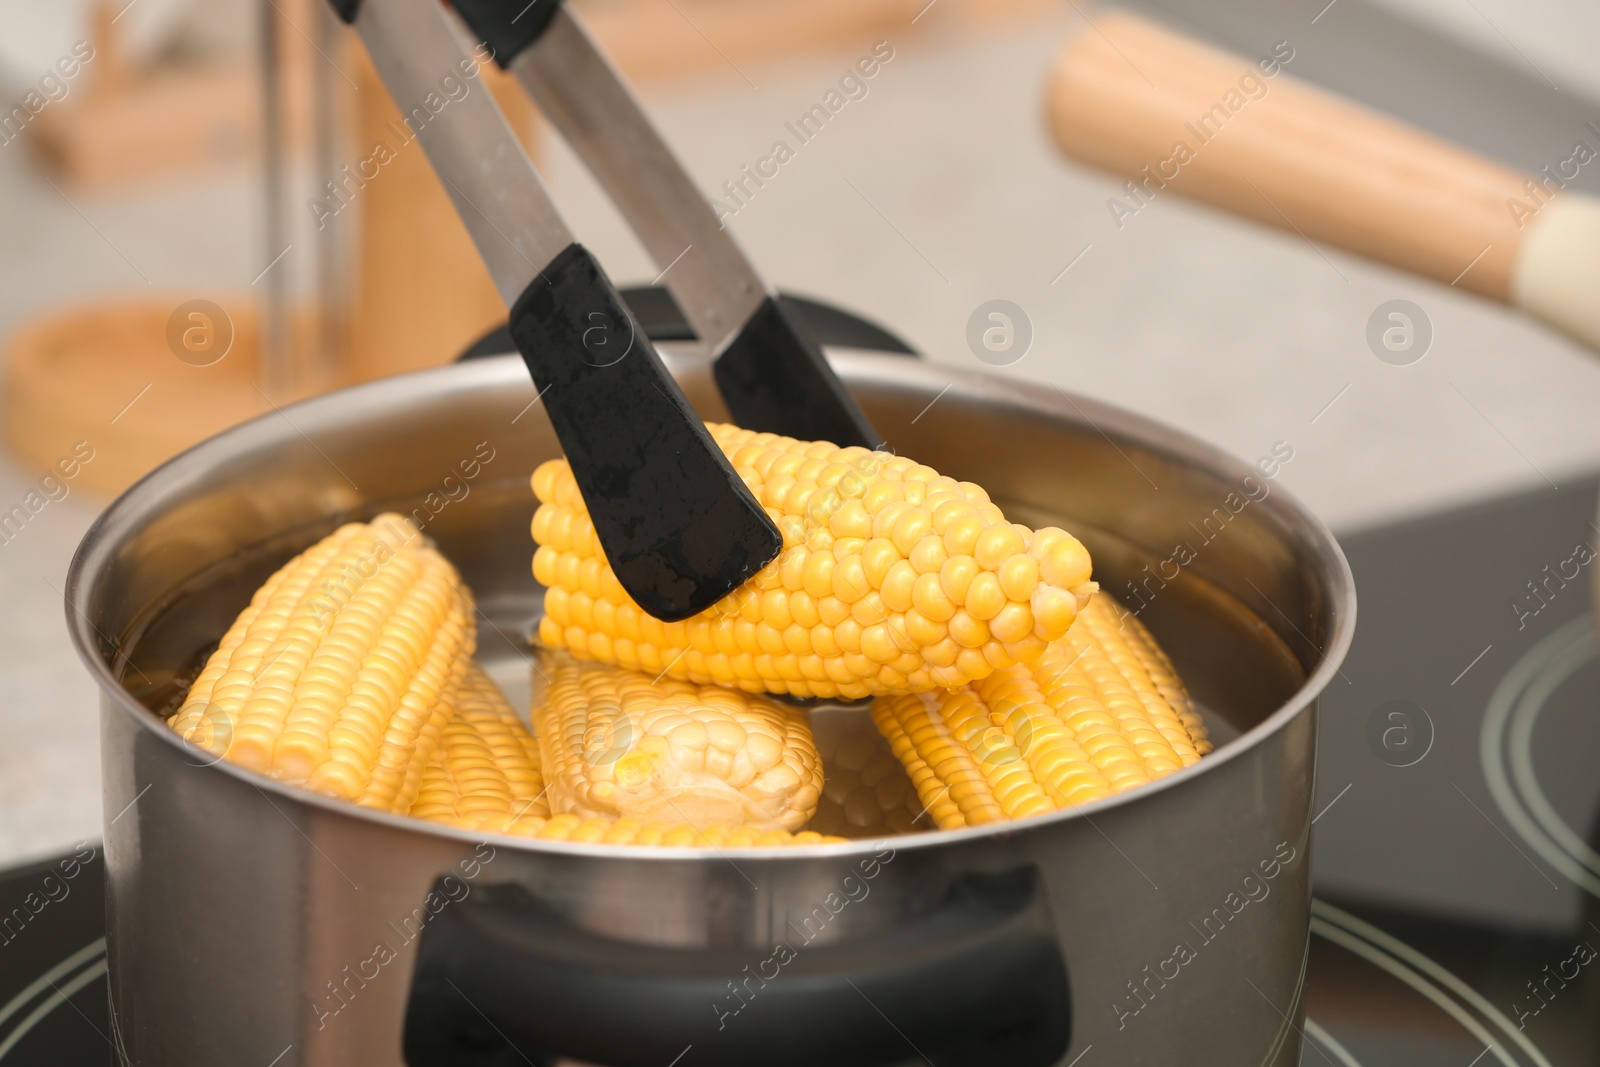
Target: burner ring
x=1506, y=749
x=1328, y=1043
x=75, y=972
x=1469, y=1008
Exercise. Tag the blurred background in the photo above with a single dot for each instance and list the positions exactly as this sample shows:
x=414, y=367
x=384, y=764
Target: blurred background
x=196, y=229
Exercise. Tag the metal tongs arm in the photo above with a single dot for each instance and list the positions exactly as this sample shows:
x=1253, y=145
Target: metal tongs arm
x=771, y=373
x=678, y=526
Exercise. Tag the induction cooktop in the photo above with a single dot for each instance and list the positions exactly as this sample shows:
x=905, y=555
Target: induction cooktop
x=1457, y=877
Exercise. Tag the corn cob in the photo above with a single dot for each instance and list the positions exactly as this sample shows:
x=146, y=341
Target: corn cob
x=892, y=579
x=485, y=778
x=487, y=762
x=613, y=743
x=866, y=793
x=1100, y=712
x=340, y=674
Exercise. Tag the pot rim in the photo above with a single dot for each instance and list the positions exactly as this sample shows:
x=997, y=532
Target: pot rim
x=333, y=408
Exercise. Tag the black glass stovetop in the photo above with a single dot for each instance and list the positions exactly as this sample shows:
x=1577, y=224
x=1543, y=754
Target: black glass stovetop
x=1457, y=842
x=1458, y=786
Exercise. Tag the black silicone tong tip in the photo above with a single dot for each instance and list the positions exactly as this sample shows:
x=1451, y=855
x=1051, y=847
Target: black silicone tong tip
x=507, y=26
x=775, y=379
x=679, y=527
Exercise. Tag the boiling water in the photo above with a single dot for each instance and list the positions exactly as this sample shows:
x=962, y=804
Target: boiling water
x=1236, y=666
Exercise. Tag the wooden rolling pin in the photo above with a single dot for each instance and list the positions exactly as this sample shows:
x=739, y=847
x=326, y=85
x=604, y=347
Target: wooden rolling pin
x=1173, y=115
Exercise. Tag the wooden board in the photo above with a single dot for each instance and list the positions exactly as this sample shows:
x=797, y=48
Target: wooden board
x=104, y=374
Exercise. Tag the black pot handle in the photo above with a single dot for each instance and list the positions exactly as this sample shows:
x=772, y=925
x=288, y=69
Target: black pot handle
x=502, y=980
x=661, y=318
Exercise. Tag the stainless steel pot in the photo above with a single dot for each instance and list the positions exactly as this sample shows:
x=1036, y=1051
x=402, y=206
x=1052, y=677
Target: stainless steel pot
x=255, y=924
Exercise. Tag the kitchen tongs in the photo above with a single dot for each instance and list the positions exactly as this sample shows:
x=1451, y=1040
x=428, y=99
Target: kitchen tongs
x=770, y=373
x=679, y=527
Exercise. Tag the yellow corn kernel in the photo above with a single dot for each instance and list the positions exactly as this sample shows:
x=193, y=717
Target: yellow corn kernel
x=614, y=743
x=1101, y=711
x=866, y=793
x=487, y=762
x=339, y=675
x=892, y=578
